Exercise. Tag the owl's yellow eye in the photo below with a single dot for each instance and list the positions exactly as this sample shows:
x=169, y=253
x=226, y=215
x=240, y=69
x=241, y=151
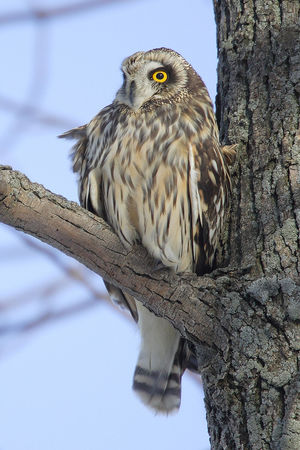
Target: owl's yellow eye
x=160, y=76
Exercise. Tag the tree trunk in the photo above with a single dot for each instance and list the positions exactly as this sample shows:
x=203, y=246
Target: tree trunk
x=244, y=319
x=252, y=391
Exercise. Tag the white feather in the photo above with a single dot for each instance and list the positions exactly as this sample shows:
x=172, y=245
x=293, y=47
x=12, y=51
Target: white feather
x=196, y=206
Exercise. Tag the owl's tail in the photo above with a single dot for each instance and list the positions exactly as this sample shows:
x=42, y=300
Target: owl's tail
x=157, y=377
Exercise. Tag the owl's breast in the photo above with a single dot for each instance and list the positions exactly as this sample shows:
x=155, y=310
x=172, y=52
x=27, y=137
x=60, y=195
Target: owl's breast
x=162, y=184
x=144, y=178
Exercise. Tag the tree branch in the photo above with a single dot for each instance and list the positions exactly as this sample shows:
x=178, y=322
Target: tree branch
x=46, y=14
x=31, y=208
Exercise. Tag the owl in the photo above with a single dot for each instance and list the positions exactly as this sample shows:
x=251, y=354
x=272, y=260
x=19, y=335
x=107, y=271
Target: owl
x=150, y=164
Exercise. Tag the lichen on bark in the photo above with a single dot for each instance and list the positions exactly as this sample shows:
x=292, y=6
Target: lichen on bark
x=255, y=403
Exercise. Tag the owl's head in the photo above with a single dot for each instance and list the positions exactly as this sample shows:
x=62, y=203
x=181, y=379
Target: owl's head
x=159, y=75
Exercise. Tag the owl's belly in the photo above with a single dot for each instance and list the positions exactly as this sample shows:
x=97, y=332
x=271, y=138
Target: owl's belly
x=149, y=203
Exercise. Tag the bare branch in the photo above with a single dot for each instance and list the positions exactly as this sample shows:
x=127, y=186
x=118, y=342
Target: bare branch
x=36, y=114
x=48, y=316
x=45, y=291
x=51, y=13
x=29, y=207
x=22, y=120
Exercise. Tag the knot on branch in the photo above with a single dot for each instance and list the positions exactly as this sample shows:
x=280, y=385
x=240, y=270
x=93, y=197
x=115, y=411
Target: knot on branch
x=3, y=184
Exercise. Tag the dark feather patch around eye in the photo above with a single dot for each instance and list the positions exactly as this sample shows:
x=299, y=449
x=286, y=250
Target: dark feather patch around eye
x=171, y=74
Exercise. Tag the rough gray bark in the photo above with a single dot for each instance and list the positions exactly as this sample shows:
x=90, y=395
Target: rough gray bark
x=244, y=318
x=253, y=400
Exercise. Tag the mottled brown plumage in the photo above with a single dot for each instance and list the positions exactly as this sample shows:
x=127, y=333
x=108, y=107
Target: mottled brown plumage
x=151, y=165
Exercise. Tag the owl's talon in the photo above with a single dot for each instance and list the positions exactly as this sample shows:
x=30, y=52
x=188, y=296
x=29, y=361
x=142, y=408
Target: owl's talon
x=159, y=266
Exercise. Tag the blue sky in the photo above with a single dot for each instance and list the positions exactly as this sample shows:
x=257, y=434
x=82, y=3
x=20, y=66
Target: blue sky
x=67, y=385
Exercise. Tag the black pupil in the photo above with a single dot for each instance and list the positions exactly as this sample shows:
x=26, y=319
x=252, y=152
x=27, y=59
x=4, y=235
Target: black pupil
x=160, y=75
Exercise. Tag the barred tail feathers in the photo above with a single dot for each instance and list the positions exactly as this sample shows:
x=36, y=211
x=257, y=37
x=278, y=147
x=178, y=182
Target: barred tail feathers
x=157, y=377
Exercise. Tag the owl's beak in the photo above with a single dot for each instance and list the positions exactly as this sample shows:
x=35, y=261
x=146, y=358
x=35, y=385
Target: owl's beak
x=132, y=94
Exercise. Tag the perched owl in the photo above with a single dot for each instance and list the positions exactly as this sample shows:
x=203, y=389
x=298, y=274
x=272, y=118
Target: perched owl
x=151, y=165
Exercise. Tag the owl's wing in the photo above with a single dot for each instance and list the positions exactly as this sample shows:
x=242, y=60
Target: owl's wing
x=90, y=197
x=122, y=299
x=229, y=153
x=208, y=188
